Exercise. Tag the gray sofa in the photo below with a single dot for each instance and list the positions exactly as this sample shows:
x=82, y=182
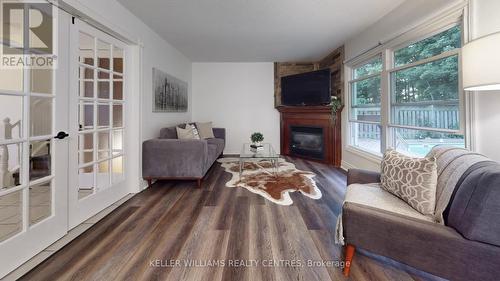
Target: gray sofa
x=170, y=158
x=466, y=247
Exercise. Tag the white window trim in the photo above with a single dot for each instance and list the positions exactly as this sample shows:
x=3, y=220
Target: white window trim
x=386, y=50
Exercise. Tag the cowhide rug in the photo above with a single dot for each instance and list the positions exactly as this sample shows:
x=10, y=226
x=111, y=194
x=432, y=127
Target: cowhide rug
x=274, y=189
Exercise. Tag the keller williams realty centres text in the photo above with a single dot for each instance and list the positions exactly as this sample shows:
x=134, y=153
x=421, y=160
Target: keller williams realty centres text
x=246, y=263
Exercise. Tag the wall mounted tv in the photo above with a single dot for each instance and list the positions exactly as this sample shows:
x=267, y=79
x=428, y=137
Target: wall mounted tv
x=311, y=88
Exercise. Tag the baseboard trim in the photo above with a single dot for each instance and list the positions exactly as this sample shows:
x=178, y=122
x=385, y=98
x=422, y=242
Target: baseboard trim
x=346, y=165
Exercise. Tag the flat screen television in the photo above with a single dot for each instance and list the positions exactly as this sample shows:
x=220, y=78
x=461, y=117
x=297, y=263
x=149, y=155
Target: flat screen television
x=311, y=88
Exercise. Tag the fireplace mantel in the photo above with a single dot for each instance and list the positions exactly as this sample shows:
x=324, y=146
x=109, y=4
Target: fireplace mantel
x=312, y=116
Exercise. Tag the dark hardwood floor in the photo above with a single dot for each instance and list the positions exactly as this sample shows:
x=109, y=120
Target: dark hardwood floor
x=175, y=221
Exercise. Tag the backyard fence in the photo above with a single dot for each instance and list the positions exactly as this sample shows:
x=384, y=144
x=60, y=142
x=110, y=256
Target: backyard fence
x=446, y=117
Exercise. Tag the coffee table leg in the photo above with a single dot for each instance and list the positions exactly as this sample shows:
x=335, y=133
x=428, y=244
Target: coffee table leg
x=276, y=167
x=241, y=167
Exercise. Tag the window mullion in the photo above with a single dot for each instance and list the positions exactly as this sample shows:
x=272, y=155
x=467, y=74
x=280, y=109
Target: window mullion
x=425, y=61
x=364, y=122
x=366, y=77
x=385, y=100
x=429, y=129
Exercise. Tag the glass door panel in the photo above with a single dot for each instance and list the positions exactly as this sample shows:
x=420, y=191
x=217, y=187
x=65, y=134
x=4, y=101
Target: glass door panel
x=117, y=87
x=12, y=79
x=11, y=215
x=103, y=139
x=103, y=86
x=41, y=81
x=40, y=197
x=86, y=76
x=117, y=142
x=103, y=54
x=40, y=116
x=40, y=159
x=103, y=115
x=117, y=115
x=86, y=116
x=86, y=148
x=10, y=165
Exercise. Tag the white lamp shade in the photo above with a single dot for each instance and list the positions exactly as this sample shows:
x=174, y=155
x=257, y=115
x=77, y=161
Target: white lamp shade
x=481, y=64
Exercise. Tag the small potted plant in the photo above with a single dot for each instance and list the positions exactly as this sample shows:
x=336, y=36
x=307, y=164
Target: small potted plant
x=336, y=104
x=257, y=139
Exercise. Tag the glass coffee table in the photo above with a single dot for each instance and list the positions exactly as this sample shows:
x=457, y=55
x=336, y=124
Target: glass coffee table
x=267, y=152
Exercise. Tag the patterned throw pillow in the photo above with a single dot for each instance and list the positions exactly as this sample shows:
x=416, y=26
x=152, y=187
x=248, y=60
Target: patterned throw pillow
x=412, y=179
x=195, y=131
x=185, y=133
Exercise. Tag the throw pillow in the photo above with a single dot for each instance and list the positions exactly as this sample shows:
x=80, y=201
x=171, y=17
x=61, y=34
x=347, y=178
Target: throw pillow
x=414, y=180
x=195, y=131
x=205, y=130
x=185, y=133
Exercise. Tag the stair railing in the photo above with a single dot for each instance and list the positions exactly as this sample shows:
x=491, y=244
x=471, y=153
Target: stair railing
x=6, y=178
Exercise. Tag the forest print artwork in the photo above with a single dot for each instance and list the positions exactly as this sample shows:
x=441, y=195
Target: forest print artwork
x=170, y=93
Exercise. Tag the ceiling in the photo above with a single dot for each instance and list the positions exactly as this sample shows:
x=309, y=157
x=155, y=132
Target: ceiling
x=258, y=30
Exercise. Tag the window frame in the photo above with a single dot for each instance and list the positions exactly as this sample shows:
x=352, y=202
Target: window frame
x=387, y=51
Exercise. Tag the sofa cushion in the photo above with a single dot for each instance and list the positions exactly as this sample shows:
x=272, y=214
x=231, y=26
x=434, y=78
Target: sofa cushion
x=163, y=158
x=411, y=179
x=475, y=207
x=372, y=195
x=220, y=143
x=168, y=133
x=212, y=155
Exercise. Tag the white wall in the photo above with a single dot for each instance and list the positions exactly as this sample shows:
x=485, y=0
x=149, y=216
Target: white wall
x=238, y=97
x=485, y=20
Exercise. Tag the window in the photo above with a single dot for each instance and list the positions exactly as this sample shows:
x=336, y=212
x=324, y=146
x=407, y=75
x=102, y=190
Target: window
x=364, y=119
x=423, y=96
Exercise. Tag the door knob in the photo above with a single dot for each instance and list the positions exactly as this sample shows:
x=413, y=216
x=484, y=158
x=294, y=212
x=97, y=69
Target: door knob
x=61, y=135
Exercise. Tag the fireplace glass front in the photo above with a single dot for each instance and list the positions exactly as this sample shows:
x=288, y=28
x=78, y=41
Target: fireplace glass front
x=307, y=142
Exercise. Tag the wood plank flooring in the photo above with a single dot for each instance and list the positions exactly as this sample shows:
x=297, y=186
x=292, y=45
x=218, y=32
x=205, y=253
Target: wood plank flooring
x=224, y=233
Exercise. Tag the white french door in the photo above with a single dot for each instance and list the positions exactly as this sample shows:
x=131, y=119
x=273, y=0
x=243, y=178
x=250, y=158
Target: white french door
x=61, y=134
x=97, y=108
x=33, y=164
